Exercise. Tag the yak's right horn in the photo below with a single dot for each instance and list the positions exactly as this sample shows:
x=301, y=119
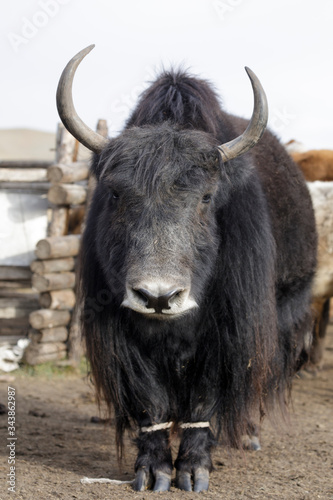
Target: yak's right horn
x=84, y=134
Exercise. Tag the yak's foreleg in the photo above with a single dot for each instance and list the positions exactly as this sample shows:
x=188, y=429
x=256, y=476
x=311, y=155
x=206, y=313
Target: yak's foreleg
x=154, y=462
x=194, y=458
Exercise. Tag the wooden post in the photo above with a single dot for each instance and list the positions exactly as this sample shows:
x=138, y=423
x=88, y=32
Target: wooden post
x=75, y=342
x=64, y=154
x=65, y=145
x=76, y=219
x=59, y=221
x=102, y=129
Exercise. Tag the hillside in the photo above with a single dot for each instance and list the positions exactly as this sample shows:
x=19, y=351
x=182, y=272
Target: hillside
x=26, y=144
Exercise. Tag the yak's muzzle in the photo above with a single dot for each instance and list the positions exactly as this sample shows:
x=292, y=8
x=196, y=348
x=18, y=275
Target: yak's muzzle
x=156, y=298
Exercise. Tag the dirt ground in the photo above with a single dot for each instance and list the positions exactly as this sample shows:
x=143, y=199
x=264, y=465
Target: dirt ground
x=57, y=445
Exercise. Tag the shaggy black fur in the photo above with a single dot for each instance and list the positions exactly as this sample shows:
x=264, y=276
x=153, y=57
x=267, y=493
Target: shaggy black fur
x=249, y=256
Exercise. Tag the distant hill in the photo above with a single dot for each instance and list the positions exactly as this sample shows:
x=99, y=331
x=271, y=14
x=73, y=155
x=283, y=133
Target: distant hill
x=28, y=144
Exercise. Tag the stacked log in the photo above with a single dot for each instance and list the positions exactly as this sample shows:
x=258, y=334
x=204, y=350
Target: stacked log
x=17, y=301
x=54, y=278
x=24, y=176
x=57, y=247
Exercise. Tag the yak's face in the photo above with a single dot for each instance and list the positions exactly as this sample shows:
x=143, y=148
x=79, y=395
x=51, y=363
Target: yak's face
x=156, y=228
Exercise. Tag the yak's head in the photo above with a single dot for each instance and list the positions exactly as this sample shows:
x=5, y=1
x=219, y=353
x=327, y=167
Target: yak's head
x=155, y=208
x=156, y=233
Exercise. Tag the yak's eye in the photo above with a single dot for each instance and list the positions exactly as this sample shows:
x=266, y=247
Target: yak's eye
x=113, y=195
x=206, y=198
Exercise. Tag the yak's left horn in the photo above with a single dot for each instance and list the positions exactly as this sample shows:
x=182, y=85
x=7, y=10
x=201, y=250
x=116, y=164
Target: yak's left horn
x=256, y=127
x=93, y=141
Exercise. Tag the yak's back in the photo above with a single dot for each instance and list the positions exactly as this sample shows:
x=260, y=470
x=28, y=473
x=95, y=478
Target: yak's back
x=181, y=99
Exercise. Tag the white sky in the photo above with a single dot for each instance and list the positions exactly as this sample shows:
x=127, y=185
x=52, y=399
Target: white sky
x=287, y=43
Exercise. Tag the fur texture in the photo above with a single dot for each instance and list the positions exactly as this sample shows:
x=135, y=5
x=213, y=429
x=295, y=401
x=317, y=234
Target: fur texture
x=248, y=253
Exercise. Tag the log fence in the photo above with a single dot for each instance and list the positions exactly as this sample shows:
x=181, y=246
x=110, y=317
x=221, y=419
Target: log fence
x=53, y=318
x=53, y=273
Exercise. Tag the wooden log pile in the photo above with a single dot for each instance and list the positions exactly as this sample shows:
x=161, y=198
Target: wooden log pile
x=17, y=301
x=17, y=298
x=54, y=278
x=53, y=273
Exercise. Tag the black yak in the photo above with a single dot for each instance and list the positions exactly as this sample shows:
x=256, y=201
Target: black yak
x=196, y=267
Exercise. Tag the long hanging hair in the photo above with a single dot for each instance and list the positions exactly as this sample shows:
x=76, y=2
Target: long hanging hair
x=244, y=351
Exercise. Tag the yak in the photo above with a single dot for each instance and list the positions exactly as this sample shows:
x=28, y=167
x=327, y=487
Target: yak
x=196, y=266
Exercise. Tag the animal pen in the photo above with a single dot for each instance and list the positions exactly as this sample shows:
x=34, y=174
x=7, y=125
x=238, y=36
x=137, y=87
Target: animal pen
x=37, y=297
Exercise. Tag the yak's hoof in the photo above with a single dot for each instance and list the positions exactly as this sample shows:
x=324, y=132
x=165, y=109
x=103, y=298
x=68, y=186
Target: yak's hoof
x=183, y=481
x=200, y=480
x=144, y=480
x=162, y=481
x=251, y=443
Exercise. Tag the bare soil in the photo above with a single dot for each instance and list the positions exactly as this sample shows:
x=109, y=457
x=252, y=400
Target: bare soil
x=57, y=445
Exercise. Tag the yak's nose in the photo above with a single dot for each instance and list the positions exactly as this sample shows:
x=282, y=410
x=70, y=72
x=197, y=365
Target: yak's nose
x=159, y=302
x=157, y=297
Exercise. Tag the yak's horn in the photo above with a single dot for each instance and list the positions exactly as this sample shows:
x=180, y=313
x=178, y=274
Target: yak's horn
x=256, y=127
x=66, y=109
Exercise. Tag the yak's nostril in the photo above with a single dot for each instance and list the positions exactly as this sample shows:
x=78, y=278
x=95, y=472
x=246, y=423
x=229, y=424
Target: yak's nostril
x=142, y=295
x=152, y=301
x=173, y=294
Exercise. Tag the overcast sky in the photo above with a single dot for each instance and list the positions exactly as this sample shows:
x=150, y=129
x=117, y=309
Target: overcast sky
x=287, y=43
